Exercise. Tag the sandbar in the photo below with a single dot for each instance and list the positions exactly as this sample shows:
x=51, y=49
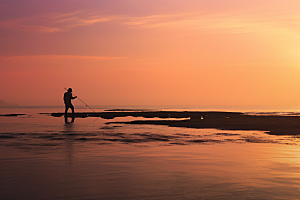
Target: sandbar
x=275, y=125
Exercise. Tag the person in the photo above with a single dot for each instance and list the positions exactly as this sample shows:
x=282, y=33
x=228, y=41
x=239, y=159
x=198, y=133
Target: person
x=67, y=99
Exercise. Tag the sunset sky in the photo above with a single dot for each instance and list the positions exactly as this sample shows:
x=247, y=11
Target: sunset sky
x=150, y=52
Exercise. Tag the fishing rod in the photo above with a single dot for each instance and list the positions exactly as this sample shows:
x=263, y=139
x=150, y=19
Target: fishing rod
x=82, y=101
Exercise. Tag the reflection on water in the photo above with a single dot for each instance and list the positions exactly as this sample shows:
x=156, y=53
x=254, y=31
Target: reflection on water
x=53, y=158
x=220, y=171
x=67, y=121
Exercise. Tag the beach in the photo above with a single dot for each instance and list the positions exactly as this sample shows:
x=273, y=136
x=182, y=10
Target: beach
x=142, y=154
x=149, y=100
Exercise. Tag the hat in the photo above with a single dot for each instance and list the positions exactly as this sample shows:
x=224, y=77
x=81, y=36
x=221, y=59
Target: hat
x=70, y=90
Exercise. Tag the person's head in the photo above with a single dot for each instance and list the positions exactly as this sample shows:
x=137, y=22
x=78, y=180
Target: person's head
x=70, y=90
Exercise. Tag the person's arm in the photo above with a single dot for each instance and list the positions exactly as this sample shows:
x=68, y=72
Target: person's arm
x=64, y=98
x=74, y=97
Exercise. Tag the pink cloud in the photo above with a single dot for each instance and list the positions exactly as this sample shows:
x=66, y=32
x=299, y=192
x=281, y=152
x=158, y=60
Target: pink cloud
x=53, y=22
x=68, y=57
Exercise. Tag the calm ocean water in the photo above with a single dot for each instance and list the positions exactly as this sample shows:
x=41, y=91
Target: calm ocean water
x=42, y=157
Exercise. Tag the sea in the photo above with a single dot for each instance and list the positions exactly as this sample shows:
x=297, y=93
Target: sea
x=45, y=157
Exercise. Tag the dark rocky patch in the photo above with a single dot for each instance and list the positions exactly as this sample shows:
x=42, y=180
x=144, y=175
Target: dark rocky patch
x=228, y=134
x=108, y=127
x=185, y=135
x=204, y=141
x=11, y=115
x=58, y=138
x=6, y=137
x=112, y=140
x=43, y=144
x=132, y=140
x=114, y=134
x=46, y=136
x=253, y=139
x=81, y=139
x=178, y=143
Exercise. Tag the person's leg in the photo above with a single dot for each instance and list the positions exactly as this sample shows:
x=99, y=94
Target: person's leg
x=72, y=107
x=66, y=108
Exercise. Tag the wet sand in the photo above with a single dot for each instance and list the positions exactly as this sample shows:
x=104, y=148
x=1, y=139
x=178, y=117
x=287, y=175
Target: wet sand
x=275, y=125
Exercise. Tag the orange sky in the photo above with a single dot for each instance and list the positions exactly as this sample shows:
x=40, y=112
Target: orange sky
x=150, y=52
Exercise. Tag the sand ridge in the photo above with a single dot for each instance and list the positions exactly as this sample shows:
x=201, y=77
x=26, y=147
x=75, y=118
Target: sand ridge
x=275, y=125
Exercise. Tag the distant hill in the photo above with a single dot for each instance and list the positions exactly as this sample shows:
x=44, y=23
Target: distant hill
x=3, y=103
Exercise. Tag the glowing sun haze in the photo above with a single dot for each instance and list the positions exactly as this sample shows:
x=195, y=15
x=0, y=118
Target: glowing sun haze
x=150, y=52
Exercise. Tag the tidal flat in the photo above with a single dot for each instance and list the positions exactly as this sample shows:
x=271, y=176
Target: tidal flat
x=273, y=124
x=145, y=155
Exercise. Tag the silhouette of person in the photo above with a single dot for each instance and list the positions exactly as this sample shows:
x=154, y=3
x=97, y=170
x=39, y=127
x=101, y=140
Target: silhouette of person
x=67, y=99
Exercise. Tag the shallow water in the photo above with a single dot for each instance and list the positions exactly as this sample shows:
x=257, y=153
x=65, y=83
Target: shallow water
x=45, y=158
